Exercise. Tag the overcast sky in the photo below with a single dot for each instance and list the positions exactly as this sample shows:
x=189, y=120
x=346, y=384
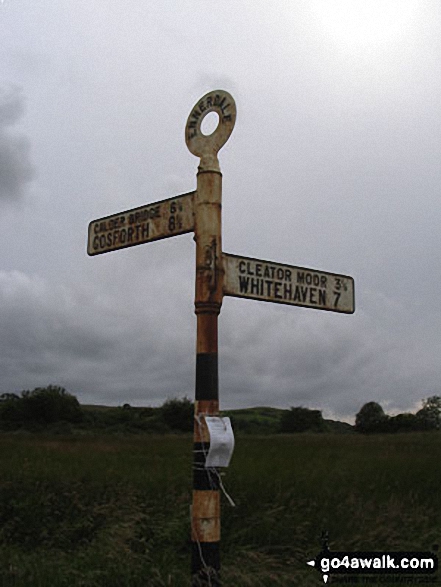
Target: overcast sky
x=334, y=164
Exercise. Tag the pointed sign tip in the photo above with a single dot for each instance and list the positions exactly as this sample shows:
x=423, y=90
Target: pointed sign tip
x=311, y=563
x=325, y=578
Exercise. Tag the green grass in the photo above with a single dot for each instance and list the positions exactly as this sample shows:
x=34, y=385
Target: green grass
x=114, y=511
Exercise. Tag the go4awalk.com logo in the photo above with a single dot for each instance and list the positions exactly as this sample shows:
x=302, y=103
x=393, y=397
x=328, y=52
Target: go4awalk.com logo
x=373, y=563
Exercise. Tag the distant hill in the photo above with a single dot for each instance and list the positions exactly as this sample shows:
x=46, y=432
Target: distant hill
x=339, y=427
x=257, y=420
x=266, y=420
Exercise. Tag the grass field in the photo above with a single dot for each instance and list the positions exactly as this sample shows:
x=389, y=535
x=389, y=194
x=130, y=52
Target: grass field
x=97, y=511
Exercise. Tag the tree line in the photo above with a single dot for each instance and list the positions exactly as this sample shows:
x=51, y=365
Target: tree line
x=371, y=418
x=55, y=410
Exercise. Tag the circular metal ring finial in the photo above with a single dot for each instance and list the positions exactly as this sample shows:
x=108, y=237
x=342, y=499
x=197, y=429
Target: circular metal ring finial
x=203, y=146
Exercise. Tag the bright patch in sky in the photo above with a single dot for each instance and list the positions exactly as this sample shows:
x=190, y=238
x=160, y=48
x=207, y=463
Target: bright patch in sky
x=365, y=22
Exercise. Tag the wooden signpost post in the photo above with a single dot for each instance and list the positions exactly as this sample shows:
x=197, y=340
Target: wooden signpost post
x=217, y=274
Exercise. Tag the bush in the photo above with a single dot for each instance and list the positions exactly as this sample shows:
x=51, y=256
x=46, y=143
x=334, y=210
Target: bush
x=177, y=414
x=429, y=416
x=403, y=423
x=371, y=418
x=39, y=408
x=302, y=420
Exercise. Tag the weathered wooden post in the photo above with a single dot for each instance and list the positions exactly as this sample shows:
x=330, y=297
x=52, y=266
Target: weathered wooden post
x=205, y=512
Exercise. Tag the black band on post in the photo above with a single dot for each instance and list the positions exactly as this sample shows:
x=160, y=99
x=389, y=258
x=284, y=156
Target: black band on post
x=207, y=387
x=205, y=564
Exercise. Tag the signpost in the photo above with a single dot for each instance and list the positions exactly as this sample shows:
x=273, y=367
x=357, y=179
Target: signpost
x=284, y=284
x=217, y=274
x=142, y=225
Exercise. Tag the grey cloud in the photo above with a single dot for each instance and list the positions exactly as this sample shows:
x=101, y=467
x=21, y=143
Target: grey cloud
x=333, y=164
x=42, y=324
x=16, y=169
x=56, y=333
x=286, y=357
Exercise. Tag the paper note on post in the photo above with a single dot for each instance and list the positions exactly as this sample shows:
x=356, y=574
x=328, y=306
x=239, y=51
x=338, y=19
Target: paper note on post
x=221, y=441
